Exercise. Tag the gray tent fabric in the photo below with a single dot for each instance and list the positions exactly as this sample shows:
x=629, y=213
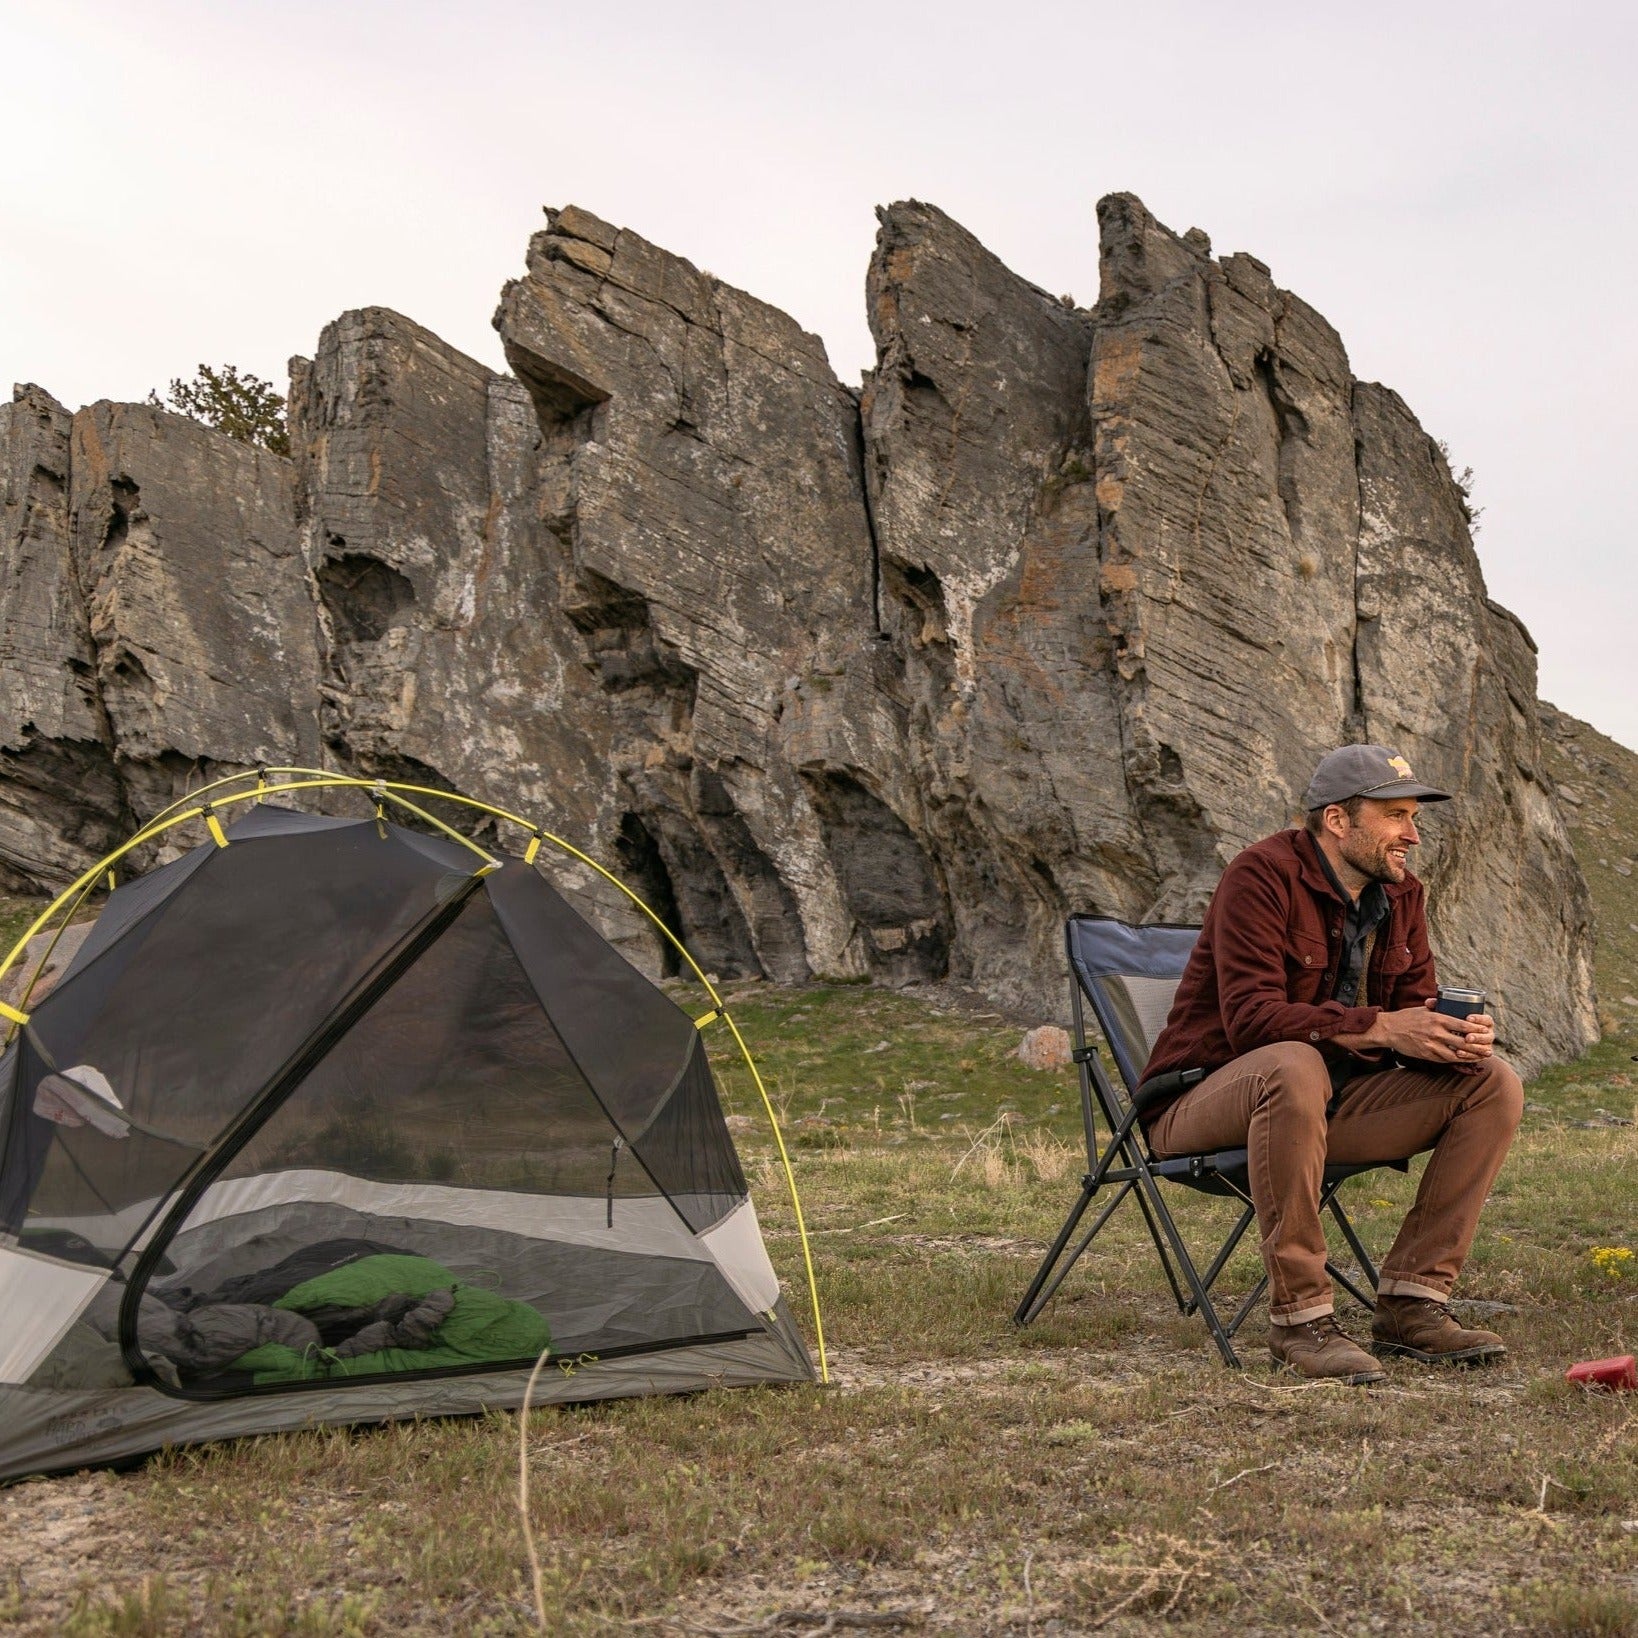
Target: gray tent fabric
x=49, y=1431
x=333, y=1125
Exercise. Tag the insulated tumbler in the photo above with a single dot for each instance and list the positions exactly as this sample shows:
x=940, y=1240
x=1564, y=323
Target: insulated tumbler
x=1457, y=1002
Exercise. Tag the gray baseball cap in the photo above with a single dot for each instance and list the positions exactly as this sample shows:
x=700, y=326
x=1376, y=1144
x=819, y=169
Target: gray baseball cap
x=1365, y=770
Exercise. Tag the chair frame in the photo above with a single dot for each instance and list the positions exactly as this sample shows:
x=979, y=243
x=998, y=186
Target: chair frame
x=1125, y=1163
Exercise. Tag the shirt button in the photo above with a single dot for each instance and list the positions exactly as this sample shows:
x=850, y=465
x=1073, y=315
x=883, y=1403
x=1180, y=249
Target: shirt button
x=1313, y=1035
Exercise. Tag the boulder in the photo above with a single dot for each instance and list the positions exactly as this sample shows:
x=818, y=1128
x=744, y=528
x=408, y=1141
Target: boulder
x=1047, y=1046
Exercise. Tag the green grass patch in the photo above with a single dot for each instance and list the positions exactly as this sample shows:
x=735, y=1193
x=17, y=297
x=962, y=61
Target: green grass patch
x=15, y=916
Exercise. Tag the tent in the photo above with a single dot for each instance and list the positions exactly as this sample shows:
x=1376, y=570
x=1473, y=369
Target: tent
x=337, y=1120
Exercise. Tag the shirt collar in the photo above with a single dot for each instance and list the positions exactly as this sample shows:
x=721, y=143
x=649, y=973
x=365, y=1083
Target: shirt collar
x=1330, y=873
x=1373, y=899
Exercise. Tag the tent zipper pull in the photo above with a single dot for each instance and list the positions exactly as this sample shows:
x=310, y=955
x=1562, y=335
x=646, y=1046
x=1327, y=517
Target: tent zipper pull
x=614, y=1160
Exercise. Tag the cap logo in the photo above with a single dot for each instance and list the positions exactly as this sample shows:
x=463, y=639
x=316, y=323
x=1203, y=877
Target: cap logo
x=1400, y=766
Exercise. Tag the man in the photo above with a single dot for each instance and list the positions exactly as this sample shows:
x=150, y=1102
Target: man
x=1309, y=1000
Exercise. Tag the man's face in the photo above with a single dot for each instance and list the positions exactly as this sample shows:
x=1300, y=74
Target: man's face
x=1377, y=843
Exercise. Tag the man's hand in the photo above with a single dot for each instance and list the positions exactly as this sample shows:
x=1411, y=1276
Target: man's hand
x=1434, y=1037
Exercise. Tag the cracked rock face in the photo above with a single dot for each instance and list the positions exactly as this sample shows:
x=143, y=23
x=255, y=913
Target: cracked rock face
x=437, y=585
x=155, y=624
x=205, y=659
x=1056, y=614
x=700, y=475
x=60, y=803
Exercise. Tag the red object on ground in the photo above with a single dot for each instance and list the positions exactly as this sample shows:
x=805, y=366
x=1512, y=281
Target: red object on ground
x=1619, y=1373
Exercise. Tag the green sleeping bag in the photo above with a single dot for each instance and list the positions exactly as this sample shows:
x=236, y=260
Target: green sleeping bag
x=482, y=1327
x=367, y=1281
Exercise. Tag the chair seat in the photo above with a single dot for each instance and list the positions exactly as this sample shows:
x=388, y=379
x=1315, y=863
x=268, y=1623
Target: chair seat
x=1226, y=1173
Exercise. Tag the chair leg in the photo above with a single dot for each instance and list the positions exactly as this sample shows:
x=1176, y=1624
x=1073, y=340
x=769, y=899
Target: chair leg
x=1225, y=1251
x=1041, y=1288
x=1202, y=1297
x=1185, y=1305
x=1085, y=1241
x=1030, y=1306
x=1350, y=1234
x=1247, y=1303
x=1367, y=1303
x=1122, y=1147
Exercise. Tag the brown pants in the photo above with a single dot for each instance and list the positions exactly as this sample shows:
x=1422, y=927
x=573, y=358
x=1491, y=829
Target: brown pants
x=1272, y=1103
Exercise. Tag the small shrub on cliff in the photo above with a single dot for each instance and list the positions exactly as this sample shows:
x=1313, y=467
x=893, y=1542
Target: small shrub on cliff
x=1464, y=486
x=233, y=401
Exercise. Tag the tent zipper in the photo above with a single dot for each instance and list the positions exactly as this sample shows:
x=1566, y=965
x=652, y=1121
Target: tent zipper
x=614, y=1161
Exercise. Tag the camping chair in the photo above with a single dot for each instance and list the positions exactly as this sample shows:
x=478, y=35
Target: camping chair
x=1129, y=975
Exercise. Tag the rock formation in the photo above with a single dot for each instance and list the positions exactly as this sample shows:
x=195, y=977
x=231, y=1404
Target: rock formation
x=700, y=472
x=1056, y=613
x=445, y=660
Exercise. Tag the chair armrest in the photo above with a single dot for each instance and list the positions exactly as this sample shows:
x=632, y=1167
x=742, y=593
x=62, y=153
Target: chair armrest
x=1159, y=1089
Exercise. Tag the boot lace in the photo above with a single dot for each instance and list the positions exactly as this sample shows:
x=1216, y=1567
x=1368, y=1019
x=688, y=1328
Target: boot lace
x=1326, y=1327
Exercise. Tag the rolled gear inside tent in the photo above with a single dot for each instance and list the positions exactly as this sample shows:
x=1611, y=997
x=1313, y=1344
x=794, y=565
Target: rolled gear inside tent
x=335, y=1123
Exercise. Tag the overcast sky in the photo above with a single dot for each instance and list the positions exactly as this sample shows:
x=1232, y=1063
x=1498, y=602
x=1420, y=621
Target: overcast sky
x=1450, y=184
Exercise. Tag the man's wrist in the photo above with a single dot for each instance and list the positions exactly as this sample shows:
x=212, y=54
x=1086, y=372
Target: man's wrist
x=1373, y=1038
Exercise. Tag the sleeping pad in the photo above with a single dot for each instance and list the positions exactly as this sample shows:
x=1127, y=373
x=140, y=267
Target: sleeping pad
x=395, y=1312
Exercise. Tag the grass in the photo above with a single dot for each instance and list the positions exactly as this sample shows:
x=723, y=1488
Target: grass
x=961, y=1475
x=1098, y=1471
x=15, y=916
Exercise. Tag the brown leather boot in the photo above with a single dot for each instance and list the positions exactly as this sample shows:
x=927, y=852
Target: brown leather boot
x=1420, y=1328
x=1320, y=1348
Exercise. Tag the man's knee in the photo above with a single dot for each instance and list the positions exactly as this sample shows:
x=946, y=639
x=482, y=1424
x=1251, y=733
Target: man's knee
x=1296, y=1080
x=1500, y=1092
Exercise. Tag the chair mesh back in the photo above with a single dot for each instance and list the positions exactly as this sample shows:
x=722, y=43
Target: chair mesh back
x=1129, y=974
x=1132, y=1012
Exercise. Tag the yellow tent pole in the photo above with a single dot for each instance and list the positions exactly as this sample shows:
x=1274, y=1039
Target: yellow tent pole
x=796, y=1202
x=216, y=784
x=44, y=917
x=319, y=778
x=56, y=939
x=315, y=778
x=490, y=862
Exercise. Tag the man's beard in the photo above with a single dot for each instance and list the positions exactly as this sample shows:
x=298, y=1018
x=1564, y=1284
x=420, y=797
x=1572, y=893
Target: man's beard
x=1371, y=860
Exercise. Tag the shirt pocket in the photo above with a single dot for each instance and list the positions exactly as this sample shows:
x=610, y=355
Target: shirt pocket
x=1306, y=960
x=1396, y=959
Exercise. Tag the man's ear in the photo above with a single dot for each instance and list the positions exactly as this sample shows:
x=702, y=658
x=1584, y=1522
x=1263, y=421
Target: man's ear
x=1335, y=819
